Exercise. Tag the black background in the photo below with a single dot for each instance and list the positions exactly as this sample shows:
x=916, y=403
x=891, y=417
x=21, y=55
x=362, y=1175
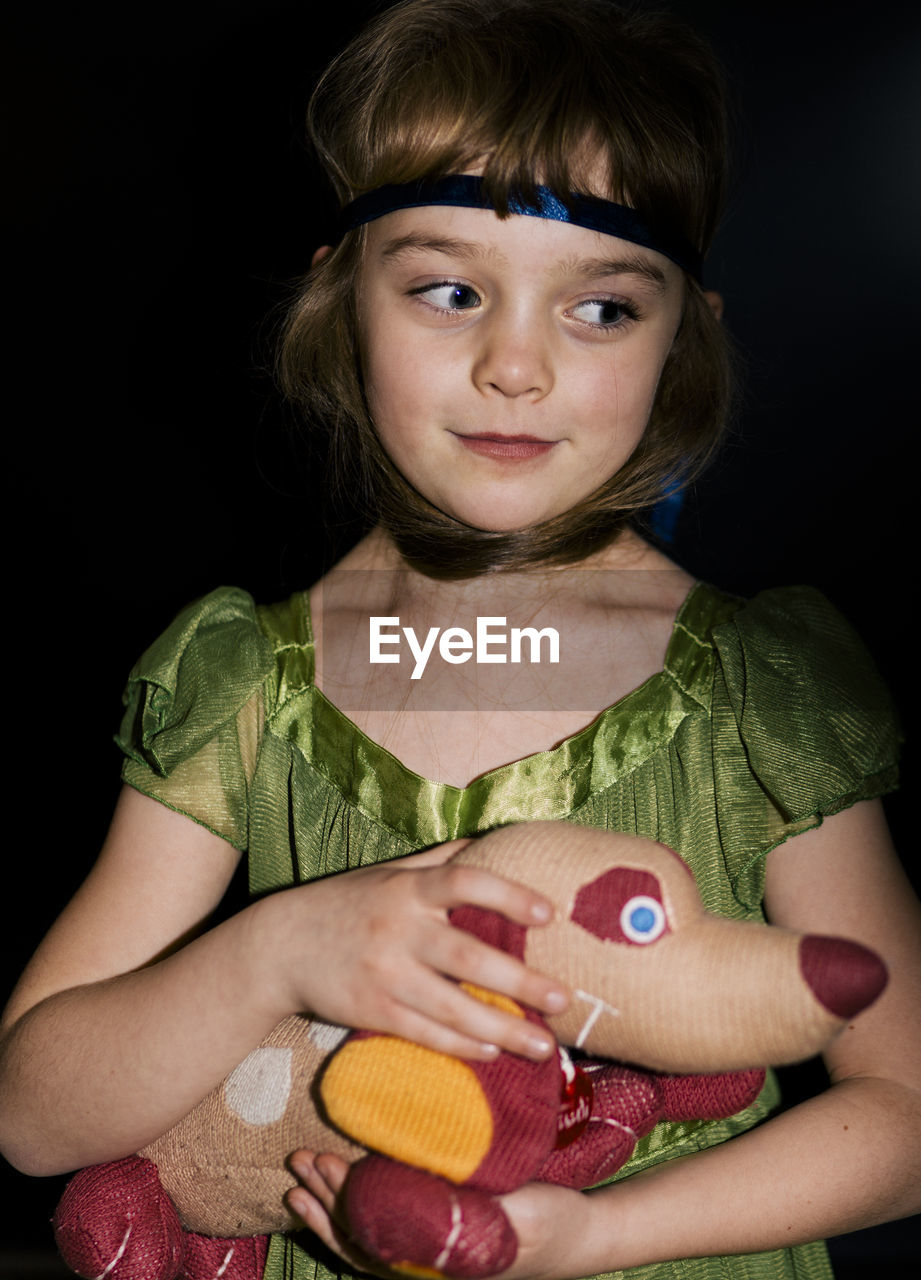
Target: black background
x=161, y=201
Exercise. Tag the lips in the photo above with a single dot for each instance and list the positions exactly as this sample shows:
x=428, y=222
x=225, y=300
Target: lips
x=511, y=448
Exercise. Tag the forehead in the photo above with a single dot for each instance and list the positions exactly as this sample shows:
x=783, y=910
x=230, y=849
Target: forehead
x=480, y=238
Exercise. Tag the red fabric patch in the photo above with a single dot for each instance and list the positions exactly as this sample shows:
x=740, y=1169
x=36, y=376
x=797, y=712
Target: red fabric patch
x=843, y=976
x=404, y=1215
x=117, y=1219
x=598, y=905
x=490, y=927
x=208, y=1258
x=576, y=1098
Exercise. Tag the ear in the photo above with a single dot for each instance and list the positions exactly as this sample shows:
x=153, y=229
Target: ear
x=714, y=301
x=320, y=254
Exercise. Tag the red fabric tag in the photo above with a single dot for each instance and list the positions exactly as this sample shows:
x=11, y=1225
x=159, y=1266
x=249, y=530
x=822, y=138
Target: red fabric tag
x=576, y=1097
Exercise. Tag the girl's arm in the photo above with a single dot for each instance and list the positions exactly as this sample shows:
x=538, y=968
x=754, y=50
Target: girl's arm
x=849, y=1158
x=120, y=1024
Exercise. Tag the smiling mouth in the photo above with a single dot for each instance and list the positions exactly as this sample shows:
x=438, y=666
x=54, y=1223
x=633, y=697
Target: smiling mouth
x=512, y=448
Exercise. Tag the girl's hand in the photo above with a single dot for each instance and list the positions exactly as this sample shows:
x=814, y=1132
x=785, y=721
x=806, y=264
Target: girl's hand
x=552, y=1223
x=554, y=1230
x=316, y=1202
x=373, y=948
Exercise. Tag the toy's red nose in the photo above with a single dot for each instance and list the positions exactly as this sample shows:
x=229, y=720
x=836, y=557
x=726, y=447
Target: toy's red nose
x=844, y=976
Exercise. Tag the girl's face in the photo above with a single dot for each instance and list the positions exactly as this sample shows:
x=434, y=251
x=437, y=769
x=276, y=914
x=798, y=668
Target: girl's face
x=510, y=364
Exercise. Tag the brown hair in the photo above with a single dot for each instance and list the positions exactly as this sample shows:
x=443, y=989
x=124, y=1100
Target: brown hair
x=529, y=89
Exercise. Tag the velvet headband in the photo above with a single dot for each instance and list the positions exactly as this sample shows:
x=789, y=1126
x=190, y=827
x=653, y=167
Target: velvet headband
x=464, y=191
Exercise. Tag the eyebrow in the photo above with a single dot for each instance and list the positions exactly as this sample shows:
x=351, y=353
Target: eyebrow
x=631, y=265
x=586, y=268
x=415, y=240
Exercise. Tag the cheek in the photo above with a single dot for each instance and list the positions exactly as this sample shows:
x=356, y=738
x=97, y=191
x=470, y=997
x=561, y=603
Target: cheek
x=382, y=380
x=636, y=382
x=395, y=376
x=396, y=396
x=399, y=414
x=619, y=401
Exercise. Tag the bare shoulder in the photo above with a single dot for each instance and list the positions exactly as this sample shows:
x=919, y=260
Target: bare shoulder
x=157, y=879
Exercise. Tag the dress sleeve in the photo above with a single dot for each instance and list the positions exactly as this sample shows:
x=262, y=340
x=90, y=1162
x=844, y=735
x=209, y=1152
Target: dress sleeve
x=803, y=726
x=194, y=711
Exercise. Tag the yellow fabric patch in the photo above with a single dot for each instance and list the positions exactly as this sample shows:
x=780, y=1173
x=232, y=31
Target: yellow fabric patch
x=493, y=998
x=421, y=1107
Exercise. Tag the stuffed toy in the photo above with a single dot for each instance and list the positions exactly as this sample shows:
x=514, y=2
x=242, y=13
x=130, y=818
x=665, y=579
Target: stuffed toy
x=674, y=1014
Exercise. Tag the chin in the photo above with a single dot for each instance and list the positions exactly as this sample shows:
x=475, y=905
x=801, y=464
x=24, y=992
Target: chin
x=494, y=522
x=503, y=526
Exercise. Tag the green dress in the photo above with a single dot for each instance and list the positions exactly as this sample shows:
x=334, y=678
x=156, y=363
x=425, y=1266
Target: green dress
x=767, y=716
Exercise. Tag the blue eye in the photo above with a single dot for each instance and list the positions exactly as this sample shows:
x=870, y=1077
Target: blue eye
x=642, y=919
x=605, y=313
x=450, y=296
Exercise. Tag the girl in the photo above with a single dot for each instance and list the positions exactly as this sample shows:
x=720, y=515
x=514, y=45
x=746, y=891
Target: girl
x=513, y=351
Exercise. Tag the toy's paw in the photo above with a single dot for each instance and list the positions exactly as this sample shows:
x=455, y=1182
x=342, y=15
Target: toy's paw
x=207, y=1258
x=709, y=1097
x=600, y=1151
x=623, y=1105
x=420, y=1224
x=116, y=1220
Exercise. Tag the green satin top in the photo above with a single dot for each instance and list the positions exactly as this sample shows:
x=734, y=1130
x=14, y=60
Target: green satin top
x=767, y=716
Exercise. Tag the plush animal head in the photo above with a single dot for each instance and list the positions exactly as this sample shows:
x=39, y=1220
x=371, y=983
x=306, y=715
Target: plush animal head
x=656, y=979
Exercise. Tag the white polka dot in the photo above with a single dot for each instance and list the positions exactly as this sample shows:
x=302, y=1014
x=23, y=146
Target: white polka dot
x=257, y=1091
x=326, y=1035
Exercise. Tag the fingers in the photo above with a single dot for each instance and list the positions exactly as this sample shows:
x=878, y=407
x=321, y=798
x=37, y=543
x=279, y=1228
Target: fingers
x=414, y=923
x=322, y=1176
x=435, y=856
x=312, y=1202
x=463, y=956
x=467, y=1028
x=440, y=951
x=489, y=1027
x=466, y=959
x=551, y=1223
x=453, y=886
x=316, y=1203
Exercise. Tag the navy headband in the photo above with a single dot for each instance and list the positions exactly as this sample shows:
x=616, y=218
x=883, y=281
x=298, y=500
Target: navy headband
x=464, y=191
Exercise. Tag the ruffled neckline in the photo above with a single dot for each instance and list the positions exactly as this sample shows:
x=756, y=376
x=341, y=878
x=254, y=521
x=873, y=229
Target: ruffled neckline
x=546, y=785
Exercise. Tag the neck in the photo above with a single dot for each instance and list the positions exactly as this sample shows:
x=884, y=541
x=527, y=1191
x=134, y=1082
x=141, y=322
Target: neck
x=389, y=583
x=612, y=615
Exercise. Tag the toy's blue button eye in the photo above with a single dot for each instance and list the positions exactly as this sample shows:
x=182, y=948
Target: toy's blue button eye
x=642, y=919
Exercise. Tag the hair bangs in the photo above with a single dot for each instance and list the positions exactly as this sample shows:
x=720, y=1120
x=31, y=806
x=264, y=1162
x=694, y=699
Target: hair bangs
x=507, y=96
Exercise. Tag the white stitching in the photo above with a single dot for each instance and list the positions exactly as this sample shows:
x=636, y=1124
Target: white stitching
x=457, y=1223
x=226, y=1263
x=600, y=1006
x=118, y=1257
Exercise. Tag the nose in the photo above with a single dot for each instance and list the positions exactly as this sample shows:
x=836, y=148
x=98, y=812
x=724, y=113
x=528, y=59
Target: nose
x=844, y=976
x=514, y=357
